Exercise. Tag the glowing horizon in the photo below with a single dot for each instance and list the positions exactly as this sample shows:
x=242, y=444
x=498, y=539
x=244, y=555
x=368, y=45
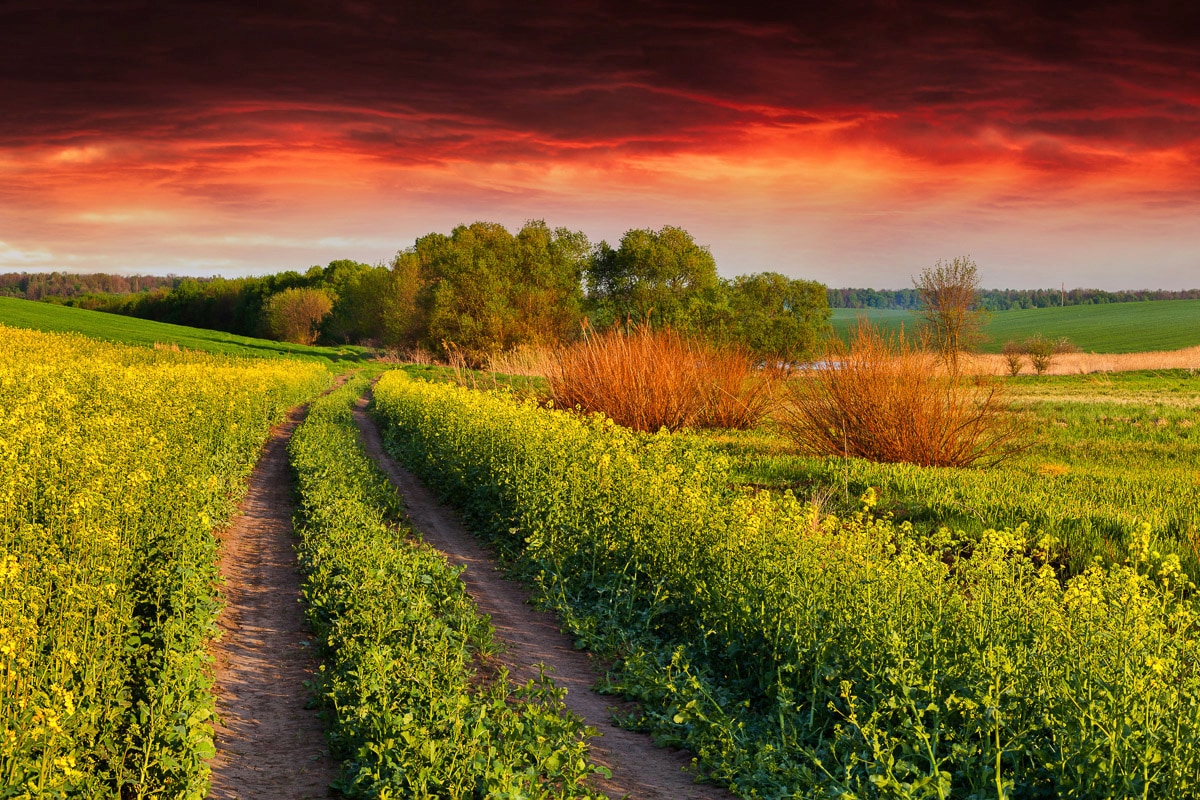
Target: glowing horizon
x=1052, y=151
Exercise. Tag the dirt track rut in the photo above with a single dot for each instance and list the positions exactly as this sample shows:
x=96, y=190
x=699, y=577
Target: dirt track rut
x=640, y=770
x=269, y=746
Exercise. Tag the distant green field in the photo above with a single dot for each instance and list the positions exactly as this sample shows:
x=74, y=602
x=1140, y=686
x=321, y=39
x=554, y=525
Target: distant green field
x=844, y=320
x=130, y=330
x=1112, y=328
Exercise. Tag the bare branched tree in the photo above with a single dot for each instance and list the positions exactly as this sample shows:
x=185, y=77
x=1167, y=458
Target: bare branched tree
x=952, y=319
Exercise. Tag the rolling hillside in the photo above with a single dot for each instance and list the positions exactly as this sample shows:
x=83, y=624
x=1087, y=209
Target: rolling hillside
x=130, y=330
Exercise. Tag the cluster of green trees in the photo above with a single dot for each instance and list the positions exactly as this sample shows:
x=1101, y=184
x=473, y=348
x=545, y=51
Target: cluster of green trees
x=1005, y=299
x=484, y=289
x=235, y=305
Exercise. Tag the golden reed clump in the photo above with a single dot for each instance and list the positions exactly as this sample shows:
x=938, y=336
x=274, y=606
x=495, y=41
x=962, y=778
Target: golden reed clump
x=647, y=379
x=884, y=399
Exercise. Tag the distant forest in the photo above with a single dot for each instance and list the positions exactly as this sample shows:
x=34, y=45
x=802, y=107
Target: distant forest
x=483, y=289
x=1005, y=299
x=51, y=285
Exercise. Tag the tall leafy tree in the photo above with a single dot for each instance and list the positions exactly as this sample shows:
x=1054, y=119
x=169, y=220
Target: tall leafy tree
x=464, y=293
x=547, y=290
x=777, y=317
x=484, y=289
x=661, y=276
x=403, y=323
x=362, y=297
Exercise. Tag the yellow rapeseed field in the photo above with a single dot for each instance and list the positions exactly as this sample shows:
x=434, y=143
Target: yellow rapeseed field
x=799, y=653
x=115, y=464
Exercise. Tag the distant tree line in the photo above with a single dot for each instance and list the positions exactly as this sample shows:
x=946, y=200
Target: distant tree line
x=483, y=289
x=1005, y=299
x=48, y=285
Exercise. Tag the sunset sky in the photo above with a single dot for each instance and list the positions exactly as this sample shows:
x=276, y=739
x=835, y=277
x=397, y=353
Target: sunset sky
x=851, y=143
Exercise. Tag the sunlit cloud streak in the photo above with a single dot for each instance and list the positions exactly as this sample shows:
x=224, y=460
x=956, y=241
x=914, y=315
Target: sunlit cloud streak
x=853, y=144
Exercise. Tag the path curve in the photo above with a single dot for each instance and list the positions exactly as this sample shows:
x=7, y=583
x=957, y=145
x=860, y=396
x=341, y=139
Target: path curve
x=640, y=769
x=268, y=744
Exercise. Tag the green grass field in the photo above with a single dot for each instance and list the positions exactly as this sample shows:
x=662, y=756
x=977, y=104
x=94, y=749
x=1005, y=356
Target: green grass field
x=1111, y=453
x=845, y=320
x=131, y=330
x=1113, y=328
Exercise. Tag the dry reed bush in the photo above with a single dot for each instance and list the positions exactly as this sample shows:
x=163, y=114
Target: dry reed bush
x=419, y=355
x=883, y=399
x=460, y=367
x=738, y=394
x=649, y=379
x=404, y=355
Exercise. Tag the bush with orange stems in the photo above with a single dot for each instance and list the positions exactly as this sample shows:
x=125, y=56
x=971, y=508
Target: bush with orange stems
x=647, y=379
x=884, y=399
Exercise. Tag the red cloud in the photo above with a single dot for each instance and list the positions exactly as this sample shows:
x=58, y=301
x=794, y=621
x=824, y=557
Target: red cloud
x=209, y=108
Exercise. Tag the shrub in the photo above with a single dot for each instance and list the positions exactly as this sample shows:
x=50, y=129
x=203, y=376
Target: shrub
x=649, y=379
x=294, y=315
x=736, y=393
x=883, y=399
x=1014, y=354
x=524, y=359
x=1042, y=351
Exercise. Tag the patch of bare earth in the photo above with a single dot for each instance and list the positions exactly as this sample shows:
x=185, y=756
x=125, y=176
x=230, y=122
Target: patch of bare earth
x=268, y=744
x=640, y=770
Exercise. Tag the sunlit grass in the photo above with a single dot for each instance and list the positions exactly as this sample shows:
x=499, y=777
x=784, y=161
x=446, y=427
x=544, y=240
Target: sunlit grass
x=1111, y=452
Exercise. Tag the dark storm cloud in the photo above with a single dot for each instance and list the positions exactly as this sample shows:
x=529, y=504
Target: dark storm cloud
x=489, y=81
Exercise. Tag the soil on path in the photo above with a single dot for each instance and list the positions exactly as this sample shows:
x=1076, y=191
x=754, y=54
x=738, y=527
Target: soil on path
x=640, y=770
x=268, y=744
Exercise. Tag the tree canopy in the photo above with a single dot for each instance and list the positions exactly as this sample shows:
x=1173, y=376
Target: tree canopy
x=777, y=317
x=294, y=315
x=661, y=277
x=484, y=289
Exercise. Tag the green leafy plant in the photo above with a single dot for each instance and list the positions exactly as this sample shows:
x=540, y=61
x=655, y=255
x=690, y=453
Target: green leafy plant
x=116, y=463
x=1041, y=351
x=1014, y=357
x=800, y=654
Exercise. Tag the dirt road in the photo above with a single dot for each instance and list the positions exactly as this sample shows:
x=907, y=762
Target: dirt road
x=268, y=744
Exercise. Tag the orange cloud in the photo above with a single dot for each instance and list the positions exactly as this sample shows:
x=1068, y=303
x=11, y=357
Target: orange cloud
x=816, y=141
